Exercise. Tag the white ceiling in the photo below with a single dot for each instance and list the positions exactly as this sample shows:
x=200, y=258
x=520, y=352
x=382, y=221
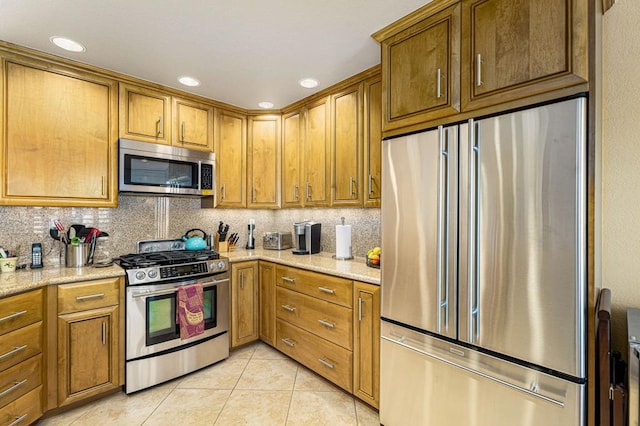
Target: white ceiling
x=243, y=51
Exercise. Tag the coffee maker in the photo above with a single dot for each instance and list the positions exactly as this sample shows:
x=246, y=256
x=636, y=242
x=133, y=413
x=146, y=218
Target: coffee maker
x=306, y=237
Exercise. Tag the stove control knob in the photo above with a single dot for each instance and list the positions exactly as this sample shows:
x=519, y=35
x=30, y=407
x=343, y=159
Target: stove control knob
x=212, y=266
x=153, y=273
x=221, y=265
x=140, y=275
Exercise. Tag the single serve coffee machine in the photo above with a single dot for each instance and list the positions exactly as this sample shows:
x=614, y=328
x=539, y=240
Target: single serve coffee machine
x=306, y=237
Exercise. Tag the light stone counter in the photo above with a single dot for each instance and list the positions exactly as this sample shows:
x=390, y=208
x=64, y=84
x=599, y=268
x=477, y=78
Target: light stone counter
x=354, y=269
x=28, y=279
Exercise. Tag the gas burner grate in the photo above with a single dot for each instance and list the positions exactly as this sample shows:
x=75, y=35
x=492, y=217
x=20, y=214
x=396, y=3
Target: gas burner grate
x=144, y=260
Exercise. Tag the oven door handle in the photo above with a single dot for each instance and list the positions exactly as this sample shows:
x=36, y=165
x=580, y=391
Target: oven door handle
x=174, y=289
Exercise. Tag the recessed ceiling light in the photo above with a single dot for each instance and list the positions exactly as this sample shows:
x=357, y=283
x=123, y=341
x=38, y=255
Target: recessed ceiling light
x=67, y=44
x=189, y=81
x=308, y=83
x=265, y=105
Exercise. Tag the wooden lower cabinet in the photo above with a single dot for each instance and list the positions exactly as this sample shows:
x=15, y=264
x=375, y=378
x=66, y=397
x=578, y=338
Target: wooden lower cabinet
x=267, y=302
x=366, y=342
x=244, y=303
x=24, y=410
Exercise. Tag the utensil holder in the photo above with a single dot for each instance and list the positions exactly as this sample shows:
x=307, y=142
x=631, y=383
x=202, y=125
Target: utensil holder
x=76, y=256
x=8, y=264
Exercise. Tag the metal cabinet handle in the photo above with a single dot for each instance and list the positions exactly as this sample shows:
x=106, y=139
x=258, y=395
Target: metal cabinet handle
x=18, y=420
x=104, y=185
x=308, y=191
x=438, y=84
x=326, y=290
x=370, y=184
x=223, y=191
x=104, y=333
x=242, y=280
x=253, y=194
x=288, y=308
x=183, y=126
x=160, y=125
x=360, y=302
x=8, y=317
x=327, y=323
x=13, y=351
x=89, y=297
x=351, y=185
x=479, y=70
x=295, y=192
x=288, y=342
x=326, y=363
x=13, y=387
x=288, y=280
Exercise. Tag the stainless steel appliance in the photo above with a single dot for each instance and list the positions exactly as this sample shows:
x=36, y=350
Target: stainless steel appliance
x=276, y=240
x=306, y=237
x=148, y=168
x=633, y=330
x=484, y=278
x=154, y=351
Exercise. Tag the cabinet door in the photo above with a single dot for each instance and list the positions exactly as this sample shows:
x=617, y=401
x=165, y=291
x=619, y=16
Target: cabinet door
x=267, y=303
x=292, y=151
x=244, y=303
x=346, y=147
x=317, y=154
x=230, y=150
x=420, y=68
x=88, y=353
x=372, y=142
x=366, y=348
x=60, y=139
x=192, y=125
x=263, y=162
x=514, y=49
x=145, y=114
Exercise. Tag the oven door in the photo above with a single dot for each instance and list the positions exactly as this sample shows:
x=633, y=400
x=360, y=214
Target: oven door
x=151, y=315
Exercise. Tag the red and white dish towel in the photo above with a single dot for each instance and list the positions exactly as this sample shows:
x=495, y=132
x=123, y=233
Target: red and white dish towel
x=190, y=315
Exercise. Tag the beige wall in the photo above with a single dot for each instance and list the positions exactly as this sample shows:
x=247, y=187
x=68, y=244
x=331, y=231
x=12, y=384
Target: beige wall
x=620, y=262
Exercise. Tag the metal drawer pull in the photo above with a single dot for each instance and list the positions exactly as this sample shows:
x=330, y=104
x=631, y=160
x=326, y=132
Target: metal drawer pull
x=18, y=420
x=326, y=363
x=12, y=388
x=104, y=333
x=13, y=351
x=326, y=290
x=288, y=308
x=17, y=314
x=288, y=280
x=288, y=342
x=327, y=323
x=91, y=296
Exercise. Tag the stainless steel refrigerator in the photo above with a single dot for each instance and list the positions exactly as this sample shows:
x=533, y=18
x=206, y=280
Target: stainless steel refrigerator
x=484, y=271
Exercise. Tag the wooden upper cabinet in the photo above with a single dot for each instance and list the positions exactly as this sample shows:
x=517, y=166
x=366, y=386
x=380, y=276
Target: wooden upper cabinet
x=230, y=150
x=192, y=125
x=145, y=114
x=420, y=69
x=346, y=146
x=292, y=152
x=513, y=49
x=317, y=154
x=263, y=162
x=60, y=135
x=372, y=142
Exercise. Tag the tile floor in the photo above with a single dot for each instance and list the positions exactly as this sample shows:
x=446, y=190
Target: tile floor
x=256, y=385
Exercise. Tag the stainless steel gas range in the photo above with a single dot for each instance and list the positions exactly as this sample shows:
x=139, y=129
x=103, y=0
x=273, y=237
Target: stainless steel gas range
x=154, y=351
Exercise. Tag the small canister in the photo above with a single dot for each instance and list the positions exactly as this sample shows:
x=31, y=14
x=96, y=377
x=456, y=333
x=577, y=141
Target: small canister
x=76, y=255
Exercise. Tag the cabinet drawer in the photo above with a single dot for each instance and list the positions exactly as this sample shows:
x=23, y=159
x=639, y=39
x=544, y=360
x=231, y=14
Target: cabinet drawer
x=326, y=287
x=325, y=358
x=88, y=295
x=327, y=320
x=19, y=345
x=20, y=310
x=20, y=379
x=24, y=410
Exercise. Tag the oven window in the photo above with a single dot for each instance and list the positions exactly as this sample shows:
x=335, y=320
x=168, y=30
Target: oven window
x=148, y=171
x=210, y=295
x=161, y=319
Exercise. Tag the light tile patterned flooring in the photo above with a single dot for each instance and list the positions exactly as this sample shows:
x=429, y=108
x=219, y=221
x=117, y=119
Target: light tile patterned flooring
x=256, y=385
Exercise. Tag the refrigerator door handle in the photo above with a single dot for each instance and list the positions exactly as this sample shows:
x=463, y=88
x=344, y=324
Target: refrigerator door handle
x=473, y=240
x=443, y=211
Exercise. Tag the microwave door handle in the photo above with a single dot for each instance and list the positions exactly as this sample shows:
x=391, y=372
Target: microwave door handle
x=199, y=175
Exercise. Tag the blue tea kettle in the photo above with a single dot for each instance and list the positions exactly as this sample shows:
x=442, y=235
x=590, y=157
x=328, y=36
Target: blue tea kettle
x=195, y=243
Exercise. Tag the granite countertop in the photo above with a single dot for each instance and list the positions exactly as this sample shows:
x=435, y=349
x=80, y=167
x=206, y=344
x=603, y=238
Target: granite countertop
x=28, y=279
x=354, y=269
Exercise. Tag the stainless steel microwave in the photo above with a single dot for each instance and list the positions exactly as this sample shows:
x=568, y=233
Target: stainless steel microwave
x=149, y=168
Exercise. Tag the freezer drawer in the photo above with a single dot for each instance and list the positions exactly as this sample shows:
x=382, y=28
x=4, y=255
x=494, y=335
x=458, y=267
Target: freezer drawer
x=428, y=381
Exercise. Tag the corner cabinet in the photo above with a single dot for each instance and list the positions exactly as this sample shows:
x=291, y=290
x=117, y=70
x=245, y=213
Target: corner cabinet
x=60, y=136
x=263, y=162
x=244, y=303
x=366, y=342
x=230, y=149
x=145, y=114
x=515, y=50
x=90, y=339
x=192, y=125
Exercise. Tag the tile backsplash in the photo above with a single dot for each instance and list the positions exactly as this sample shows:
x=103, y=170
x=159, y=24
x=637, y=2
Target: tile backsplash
x=144, y=218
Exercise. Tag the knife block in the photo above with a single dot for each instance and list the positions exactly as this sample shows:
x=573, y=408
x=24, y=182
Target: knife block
x=220, y=246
